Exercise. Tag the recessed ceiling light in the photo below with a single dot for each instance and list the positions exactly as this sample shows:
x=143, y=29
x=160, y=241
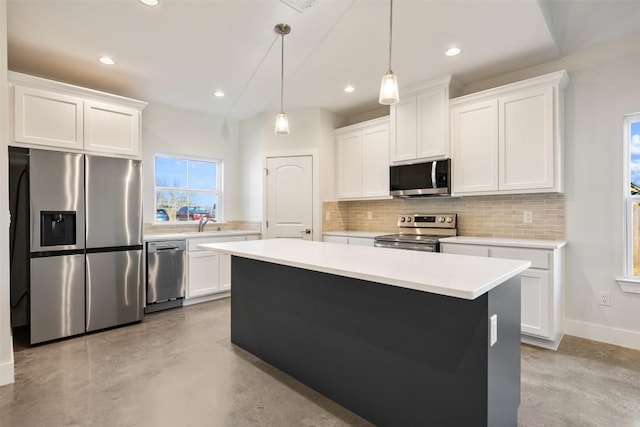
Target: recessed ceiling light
x=349, y=89
x=453, y=51
x=106, y=60
x=150, y=2
x=218, y=93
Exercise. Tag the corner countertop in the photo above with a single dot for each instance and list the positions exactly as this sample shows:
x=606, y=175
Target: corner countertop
x=459, y=276
x=497, y=241
x=196, y=234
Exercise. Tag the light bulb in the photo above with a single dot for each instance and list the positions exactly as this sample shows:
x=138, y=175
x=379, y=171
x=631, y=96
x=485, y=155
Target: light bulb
x=389, y=89
x=282, y=124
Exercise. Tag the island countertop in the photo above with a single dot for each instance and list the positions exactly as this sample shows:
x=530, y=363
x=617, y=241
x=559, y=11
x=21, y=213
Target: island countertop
x=457, y=276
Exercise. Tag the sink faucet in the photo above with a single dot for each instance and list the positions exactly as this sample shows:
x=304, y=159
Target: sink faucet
x=203, y=221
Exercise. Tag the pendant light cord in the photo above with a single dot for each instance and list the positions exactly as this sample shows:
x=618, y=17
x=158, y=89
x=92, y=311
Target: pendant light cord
x=282, y=75
x=390, y=34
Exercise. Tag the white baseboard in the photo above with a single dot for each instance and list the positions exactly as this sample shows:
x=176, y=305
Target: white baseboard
x=206, y=298
x=6, y=372
x=606, y=334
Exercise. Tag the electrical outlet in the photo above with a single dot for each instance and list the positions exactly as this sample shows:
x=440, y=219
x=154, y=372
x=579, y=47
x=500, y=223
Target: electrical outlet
x=327, y=216
x=604, y=298
x=369, y=215
x=527, y=217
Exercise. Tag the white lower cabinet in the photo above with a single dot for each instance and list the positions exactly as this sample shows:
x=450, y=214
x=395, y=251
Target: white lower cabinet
x=349, y=240
x=209, y=272
x=541, y=288
x=203, y=273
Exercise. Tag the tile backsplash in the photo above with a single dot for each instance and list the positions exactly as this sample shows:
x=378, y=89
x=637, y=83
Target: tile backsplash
x=481, y=216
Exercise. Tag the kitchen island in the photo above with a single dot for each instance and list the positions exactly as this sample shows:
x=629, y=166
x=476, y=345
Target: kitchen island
x=401, y=338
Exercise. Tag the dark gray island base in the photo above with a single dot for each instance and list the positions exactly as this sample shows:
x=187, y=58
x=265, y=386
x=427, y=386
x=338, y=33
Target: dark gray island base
x=395, y=356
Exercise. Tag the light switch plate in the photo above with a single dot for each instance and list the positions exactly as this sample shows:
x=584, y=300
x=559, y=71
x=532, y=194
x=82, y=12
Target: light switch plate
x=493, y=330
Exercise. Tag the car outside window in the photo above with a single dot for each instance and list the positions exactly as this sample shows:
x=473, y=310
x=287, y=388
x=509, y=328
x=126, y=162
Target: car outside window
x=187, y=189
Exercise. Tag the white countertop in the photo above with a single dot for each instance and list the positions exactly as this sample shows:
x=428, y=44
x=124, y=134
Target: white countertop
x=497, y=241
x=366, y=234
x=458, y=276
x=195, y=234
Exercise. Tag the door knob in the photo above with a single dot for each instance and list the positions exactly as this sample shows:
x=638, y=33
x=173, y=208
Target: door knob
x=306, y=231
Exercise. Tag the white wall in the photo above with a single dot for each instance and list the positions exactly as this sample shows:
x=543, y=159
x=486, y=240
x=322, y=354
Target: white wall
x=169, y=130
x=605, y=85
x=6, y=340
x=311, y=132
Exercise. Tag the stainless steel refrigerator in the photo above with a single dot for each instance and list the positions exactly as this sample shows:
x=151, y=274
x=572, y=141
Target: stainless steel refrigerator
x=85, y=234
x=114, y=260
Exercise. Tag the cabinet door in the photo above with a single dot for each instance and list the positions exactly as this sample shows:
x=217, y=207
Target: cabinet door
x=432, y=135
x=204, y=268
x=111, y=129
x=526, y=140
x=375, y=161
x=475, y=147
x=536, y=304
x=349, y=164
x=403, y=130
x=47, y=118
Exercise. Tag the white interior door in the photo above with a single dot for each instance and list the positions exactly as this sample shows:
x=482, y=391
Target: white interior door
x=290, y=197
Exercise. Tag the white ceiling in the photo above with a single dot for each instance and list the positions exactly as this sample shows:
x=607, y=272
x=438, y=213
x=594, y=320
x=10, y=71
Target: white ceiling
x=180, y=51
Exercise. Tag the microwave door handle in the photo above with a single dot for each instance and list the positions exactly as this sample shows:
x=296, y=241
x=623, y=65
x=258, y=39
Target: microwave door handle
x=434, y=184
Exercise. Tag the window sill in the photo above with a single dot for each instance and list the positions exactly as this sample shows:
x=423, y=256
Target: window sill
x=629, y=285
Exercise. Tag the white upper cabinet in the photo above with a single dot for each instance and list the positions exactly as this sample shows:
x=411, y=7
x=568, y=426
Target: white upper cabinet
x=508, y=140
x=47, y=118
x=474, y=135
x=111, y=128
x=420, y=123
x=362, y=160
x=66, y=117
x=526, y=142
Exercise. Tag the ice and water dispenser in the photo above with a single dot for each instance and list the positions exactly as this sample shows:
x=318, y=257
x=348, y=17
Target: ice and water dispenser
x=57, y=228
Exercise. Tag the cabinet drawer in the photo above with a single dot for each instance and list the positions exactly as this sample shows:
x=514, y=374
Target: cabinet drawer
x=474, y=250
x=193, y=243
x=539, y=258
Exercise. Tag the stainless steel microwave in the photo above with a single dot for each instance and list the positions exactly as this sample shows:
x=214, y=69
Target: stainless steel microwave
x=421, y=179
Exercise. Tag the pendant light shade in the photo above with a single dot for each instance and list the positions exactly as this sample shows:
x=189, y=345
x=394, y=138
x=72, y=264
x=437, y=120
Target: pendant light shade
x=389, y=87
x=282, y=122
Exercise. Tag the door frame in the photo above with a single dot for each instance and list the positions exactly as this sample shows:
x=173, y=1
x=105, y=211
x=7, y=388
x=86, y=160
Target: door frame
x=316, y=206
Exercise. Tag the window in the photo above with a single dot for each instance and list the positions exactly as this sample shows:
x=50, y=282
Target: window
x=632, y=194
x=187, y=189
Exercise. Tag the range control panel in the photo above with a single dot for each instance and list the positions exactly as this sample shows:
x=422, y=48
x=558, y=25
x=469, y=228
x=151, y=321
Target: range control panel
x=427, y=220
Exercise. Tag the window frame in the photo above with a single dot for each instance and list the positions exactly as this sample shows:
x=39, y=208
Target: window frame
x=628, y=282
x=218, y=192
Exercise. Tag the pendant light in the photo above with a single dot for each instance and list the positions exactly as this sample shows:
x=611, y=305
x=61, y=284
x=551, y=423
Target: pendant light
x=282, y=123
x=389, y=87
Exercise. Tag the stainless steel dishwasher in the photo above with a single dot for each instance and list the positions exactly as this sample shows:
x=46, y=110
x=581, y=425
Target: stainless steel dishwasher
x=166, y=278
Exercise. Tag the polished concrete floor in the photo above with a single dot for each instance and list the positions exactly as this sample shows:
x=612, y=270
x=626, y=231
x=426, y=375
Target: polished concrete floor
x=178, y=368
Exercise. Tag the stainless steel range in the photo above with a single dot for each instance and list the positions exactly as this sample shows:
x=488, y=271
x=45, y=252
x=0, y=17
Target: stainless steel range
x=420, y=232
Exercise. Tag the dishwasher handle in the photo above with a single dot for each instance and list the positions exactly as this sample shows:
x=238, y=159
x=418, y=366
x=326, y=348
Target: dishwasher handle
x=174, y=245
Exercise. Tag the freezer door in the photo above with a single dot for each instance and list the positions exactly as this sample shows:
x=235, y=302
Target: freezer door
x=57, y=297
x=114, y=202
x=56, y=186
x=114, y=288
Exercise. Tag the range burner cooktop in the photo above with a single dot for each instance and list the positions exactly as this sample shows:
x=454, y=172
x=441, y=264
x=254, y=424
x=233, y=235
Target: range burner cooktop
x=420, y=232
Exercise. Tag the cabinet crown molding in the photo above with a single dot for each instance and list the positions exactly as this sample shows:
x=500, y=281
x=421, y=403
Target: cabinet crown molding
x=16, y=78
x=558, y=78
